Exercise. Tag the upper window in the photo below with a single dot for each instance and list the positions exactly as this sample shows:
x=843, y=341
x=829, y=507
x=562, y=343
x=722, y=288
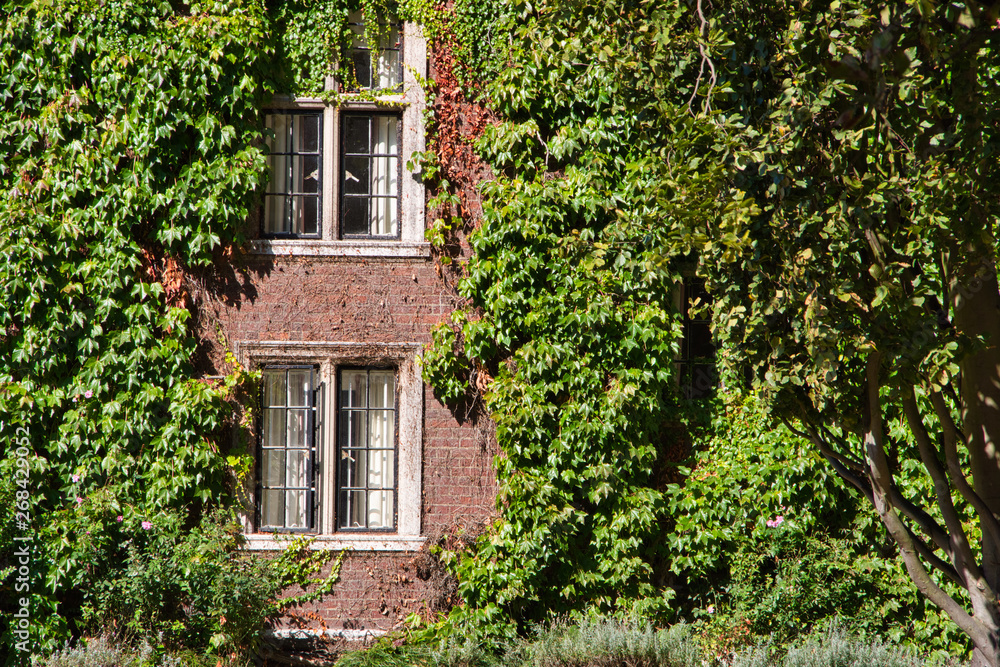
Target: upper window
x=382, y=69
x=370, y=167
x=336, y=175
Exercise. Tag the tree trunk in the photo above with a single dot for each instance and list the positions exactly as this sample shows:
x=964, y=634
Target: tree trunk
x=975, y=302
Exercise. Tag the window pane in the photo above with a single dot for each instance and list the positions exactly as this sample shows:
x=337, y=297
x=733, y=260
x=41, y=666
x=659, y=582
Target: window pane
x=356, y=135
x=701, y=340
x=353, y=463
x=305, y=174
x=380, y=509
x=353, y=428
x=352, y=509
x=274, y=214
x=273, y=508
x=274, y=427
x=306, y=133
x=274, y=388
x=381, y=468
x=296, y=428
x=704, y=378
x=384, y=216
x=300, y=387
x=390, y=40
x=382, y=389
x=385, y=176
x=388, y=69
x=274, y=467
x=355, y=215
x=306, y=214
x=353, y=389
x=278, y=165
x=380, y=430
x=356, y=175
x=386, y=139
x=278, y=124
x=297, y=469
x=295, y=509
x=362, y=68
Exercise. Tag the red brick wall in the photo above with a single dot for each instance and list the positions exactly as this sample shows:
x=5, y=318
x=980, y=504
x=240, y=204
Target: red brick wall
x=256, y=298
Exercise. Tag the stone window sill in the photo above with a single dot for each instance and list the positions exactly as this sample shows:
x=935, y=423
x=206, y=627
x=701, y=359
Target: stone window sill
x=269, y=542
x=317, y=248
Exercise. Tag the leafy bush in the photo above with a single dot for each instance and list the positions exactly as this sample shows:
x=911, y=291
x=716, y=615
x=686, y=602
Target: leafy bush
x=199, y=590
x=105, y=652
x=832, y=647
x=775, y=546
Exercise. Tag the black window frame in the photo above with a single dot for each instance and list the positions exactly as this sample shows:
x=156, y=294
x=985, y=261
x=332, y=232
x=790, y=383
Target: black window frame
x=313, y=492
x=371, y=115
x=321, y=133
x=339, y=510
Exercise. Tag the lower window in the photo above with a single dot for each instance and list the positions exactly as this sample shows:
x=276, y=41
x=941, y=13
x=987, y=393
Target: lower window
x=366, y=444
x=336, y=474
x=287, y=489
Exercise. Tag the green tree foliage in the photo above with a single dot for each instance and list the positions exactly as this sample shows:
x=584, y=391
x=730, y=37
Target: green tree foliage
x=856, y=287
x=864, y=301
x=769, y=545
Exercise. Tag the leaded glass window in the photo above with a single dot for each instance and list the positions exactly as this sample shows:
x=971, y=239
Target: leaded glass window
x=366, y=444
x=293, y=199
x=381, y=69
x=287, y=449
x=698, y=374
x=370, y=175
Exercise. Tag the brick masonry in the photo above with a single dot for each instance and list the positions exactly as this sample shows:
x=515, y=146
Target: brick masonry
x=296, y=299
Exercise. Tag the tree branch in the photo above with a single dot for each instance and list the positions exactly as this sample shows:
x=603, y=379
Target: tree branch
x=991, y=525
x=881, y=479
x=961, y=554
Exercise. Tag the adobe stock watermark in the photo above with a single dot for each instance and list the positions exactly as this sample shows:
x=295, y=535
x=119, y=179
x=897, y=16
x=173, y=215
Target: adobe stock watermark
x=21, y=559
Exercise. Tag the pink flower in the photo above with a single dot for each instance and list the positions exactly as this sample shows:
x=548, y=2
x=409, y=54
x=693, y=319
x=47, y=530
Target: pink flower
x=779, y=520
x=119, y=518
x=79, y=500
x=711, y=609
x=771, y=524
x=88, y=394
x=146, y=525
x=76, y=478
x=74, y=399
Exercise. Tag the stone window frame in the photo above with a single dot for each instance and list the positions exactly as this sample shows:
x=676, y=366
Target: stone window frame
x=410, y=104
x=328, y=357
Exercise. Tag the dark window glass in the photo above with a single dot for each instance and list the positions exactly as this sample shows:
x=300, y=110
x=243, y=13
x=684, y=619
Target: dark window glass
x=370, y=172
x=698, y=373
